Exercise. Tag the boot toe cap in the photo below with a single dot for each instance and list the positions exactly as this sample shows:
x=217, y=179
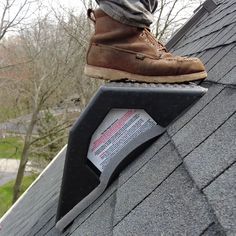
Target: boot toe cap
x=191, y=65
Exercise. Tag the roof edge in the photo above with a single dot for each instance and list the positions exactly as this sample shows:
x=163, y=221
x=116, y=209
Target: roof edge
x=207, y=7
x=28, y=189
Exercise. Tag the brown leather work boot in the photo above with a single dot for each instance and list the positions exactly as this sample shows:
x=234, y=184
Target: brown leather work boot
x=119, y=51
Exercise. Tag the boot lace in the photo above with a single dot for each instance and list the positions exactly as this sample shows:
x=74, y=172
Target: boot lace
x=149, y=37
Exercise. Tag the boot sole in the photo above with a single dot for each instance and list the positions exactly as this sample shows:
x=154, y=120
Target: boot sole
x=115, y=75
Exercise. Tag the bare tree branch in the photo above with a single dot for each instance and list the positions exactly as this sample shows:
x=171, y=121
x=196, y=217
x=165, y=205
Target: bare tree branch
x=170, y=15
x=13, y=12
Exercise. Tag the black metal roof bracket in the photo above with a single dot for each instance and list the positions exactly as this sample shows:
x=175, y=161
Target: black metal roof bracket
x=85, y=180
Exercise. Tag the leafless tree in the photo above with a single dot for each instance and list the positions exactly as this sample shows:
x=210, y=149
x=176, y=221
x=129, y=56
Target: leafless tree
x=48, y=59
x=47, y=76
x=89, y=4
x=13, y=13
x=170, y=15
x=79, y=29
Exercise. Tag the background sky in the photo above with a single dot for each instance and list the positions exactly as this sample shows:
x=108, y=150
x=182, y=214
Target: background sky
x=61, y=5
x=69, y=3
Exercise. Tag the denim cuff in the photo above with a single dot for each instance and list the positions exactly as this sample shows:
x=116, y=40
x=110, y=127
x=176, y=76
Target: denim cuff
x=120, y=16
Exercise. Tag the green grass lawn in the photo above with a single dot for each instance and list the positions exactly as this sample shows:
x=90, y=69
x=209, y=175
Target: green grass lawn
x=6, y=193
x=11, y=147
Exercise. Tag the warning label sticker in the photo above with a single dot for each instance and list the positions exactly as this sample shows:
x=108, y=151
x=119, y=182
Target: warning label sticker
x=118, y=128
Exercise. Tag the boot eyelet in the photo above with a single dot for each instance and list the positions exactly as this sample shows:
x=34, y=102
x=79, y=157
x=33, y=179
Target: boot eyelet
x=140, y=56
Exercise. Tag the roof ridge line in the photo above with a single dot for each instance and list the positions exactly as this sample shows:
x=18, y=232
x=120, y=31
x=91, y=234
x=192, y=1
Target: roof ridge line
x=219, y=19
x=207, y=7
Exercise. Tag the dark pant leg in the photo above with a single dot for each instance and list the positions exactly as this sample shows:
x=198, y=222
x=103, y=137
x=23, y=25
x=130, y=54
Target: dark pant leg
x=132, y=12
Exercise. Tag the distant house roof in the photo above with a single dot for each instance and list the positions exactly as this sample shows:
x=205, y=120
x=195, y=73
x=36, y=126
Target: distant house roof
x=185, y=183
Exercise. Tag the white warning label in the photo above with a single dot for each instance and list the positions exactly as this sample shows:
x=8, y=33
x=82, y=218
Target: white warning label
x=119, y=127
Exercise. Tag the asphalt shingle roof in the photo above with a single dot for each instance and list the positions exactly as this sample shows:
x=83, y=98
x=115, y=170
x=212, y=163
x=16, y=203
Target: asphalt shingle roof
x=185, y=183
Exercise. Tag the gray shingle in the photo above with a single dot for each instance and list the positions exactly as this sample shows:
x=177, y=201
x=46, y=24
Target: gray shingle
x=230, y=77
x=169, y=210
x=206, y=122
x=210, y=41
x=181, y=51
x=213, y=91
x=216, y=58
x=213, y=23
x=232, y=39
x=223, y=66
x=39, y=197
x=214, y=155
x=48, y=228
x=139, y=162
x=212, y=35
x=145, y=181
x=216, y=20
x=38, y=213
x=81, y=218
x=208, y=54
x=52, y=232
x=214, y=41
x=221, y=37
x=226, y=20
x=44, y=219
x=100, y=223
x=222, y=196
x=227, y=37
x=184, y=39
x=214, y=229
x=205, y=42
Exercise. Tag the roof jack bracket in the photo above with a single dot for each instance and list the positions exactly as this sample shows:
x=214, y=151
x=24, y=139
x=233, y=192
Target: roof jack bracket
x=120, y=121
